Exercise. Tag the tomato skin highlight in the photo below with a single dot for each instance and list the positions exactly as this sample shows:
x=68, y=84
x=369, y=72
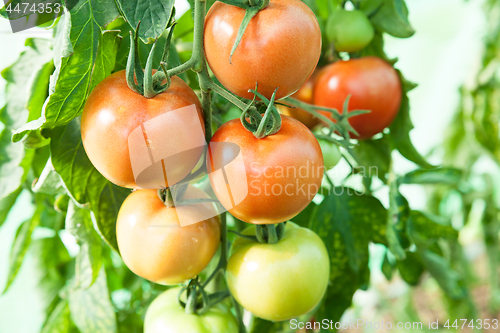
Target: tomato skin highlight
x=113, y=111
x=280, y=48
x=154, y=246
x=350, y=31
x=304, y=94
x=279, y=281
x=166, y=315
x=282, y=172
x=373, y=85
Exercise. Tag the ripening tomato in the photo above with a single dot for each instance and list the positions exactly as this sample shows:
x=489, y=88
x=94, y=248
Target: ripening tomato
x=280, y=48
x=270, y=180
x=373, y=85
x=279, y=281
x=304, y=94
x=155, y=246
x=113, y=111
x=166, y=315
x=350, y=31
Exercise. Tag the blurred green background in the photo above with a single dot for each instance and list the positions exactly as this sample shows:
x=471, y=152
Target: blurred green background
x=443, y=55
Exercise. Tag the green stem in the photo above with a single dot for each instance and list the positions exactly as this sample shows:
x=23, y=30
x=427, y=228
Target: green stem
x=223, y=251
x=227, y=95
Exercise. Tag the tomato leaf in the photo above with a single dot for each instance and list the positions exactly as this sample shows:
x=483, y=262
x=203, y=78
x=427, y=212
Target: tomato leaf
x=392, y=17
x=83, y=182
x=401, y=127
x=373, y=155
x=425, y=230
x=85, y=54
x=20, y=246
x=448, y=176
x=153, y=16
x=49, y=181
x=91, y=309
x=347, y=223
x=20, y=89
x=411, y=268
x=88, y=261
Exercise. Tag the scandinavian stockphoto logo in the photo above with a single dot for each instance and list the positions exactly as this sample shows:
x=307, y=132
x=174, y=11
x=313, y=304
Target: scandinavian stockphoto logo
x=161, y=150
x=25, y=14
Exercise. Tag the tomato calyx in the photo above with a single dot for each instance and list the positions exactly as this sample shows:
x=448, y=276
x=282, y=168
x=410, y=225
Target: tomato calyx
x=148, y=84
x=251, y=7
x=270, y=233
x=197, y=300
x=261, y=126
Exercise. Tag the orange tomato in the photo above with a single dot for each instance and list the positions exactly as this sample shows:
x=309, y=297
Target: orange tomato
x=113, y=111
x=280, y=48
x=270, y=180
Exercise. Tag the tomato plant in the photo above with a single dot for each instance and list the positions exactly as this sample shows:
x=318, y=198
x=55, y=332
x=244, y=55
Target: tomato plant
x=371, y=83
x=283, y=35
x=259, y=275
x=270, y=168
x=105, y=242
x=165, y=314
x=113, y=111
x=350, y=31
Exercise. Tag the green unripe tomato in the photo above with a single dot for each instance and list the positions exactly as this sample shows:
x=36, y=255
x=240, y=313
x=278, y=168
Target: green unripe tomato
x=331, y=153
x=350, y=31
x=279, y=281
x=165, y=315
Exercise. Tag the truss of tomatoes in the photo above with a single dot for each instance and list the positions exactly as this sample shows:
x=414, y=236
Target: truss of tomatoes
x=282, y=171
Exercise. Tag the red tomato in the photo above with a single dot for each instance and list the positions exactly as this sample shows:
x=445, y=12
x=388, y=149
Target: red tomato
x=373, y=85
x=280, y=48
x=270, y=180
x=113, y=111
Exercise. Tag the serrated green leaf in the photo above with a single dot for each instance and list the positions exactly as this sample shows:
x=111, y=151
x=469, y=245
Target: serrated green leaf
x=448, y=176
x=89, y=259
x=14, y=159
x=91, y=309
x=153, y=16
x=373, y=155
x=392, y=18
x=347, y=223
x=71, y=162
x=105, y=205
x=7, y=203
x=88, y=56
x=428, y=227
x=49, y=181
x=20, y=246
x=84, y=183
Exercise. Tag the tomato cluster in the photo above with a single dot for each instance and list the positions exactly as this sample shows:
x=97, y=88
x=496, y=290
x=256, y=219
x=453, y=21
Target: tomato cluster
x=259, y=180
